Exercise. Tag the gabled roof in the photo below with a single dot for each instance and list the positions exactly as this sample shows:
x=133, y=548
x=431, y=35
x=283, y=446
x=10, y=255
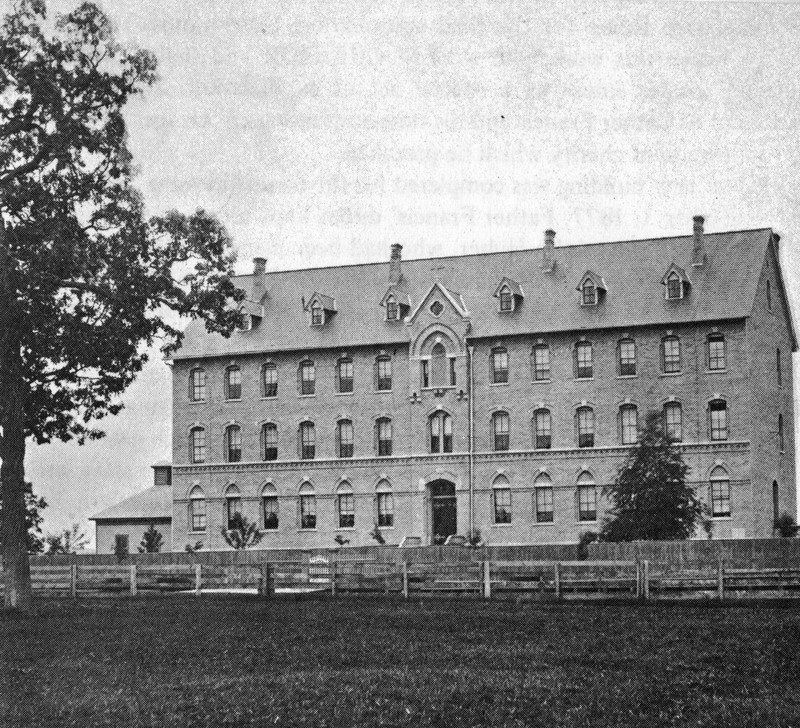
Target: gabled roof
x=455, y=300
x=400, y=295
x=327, y=302
x=596, y=280
x=154, y=502
x=678, y=270
x=513, y=286
x=722, y=289
x=251, y=308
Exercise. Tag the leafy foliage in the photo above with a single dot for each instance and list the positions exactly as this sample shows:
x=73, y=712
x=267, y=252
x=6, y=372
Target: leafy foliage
x=341, y=540
x=650, y=497
x=34, y=505
x=194, y=548
x=86, y=281
x=243, y=535
x=69, y=541
x=152, y=541
x=377, y=536
x=786, y=526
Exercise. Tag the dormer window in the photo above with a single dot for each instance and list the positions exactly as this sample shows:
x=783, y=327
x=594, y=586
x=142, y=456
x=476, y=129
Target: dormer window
x=392, y=309
x=509, y=295
x=320, y=307
x=591, y=288
x=676, y=283
x=396, y=302
x=317, y=317
x=246, y=322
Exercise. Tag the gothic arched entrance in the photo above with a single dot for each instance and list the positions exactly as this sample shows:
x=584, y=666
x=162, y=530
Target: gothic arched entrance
x=443, y=510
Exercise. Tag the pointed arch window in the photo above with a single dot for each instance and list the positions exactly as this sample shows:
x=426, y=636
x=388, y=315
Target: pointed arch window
x=269, y=380
x=383, y=373
x=197, y=509
x=197, y=445
x=439, y=366
x=233, y=382
x=317, y=315
x=587, y=498
x=233, y=444
x=233, y=506
x=588, y=293
x=628, y=424
x=673, y=421
x=307, y=505
x=501, y=497
x=499, y=362
x=269, y=442
x=716, y=352
x=344, y=375
x=626, y=358
x=197, y=384
x=506, y=299
x=383, y=436
x=307, y=441
x=720, y=495
x=500, y=431
x=584, y=426
x=718, y=419
x=542, y=429
x=269, y=507
x=540, y=359
x=392, y=309
x=307, y=377
x=344, y=438
x=670, y=355
x=543, y=498
x=440, y=430
x=385, y=504
x=345, y=505
x=674, y=286
x=584, y=367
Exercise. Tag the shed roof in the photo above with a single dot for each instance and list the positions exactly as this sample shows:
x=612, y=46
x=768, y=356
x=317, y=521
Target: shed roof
x=633, y=270
x=152, y=502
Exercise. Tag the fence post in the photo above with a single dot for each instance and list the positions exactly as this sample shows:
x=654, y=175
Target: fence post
x=133, y=580
x=405, y=579
x=487, y=580
x=198, y=579
x=73, y=580
x=332, y=573
x=720, y=579
x=557, y=579
x=638, y=579
x=646, y=579
x=267, y=578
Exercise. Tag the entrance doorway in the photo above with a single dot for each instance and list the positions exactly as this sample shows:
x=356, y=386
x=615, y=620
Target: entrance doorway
x=443, y=510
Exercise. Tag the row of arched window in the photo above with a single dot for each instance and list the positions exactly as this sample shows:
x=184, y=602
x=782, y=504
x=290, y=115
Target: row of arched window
x=306, y=507
x=306, y=379
x=440, y=432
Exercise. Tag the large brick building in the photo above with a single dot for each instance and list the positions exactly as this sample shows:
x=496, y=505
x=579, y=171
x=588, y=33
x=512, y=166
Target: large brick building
x=500, y=391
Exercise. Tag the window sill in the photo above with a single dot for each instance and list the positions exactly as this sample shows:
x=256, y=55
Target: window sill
x=386, y=528
x=583, y=379
x=543, y=523
x=382, y=391
x=268, y=531
x=198, y=401
x=351, y=529
x=501, y=525
x=541, y=381
x=306, y=530
x=721, y=518
x=586, y=523
x=498, y=384
x=268, y=398
x=197, y=533
x=303, y=396
x=433, y=389
x=236, y=399
x=344, y=394
x=716, y=371
x=670, y=374
x=627, y=376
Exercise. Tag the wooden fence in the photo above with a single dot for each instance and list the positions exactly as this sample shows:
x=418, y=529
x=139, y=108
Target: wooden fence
x=319, y=574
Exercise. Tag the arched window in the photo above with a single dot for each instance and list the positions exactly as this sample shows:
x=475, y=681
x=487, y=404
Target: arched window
x=584, y=426
x=385, y=504
x=383, y=436
x=197, y=385
x=197, y=509
x=233, y=506
x=588, y=293
x=392, y=309
x=344, y=438
x=720, y=493
x=269, y=507
x=307, y=377
x=670, y=355
x=439, y=367
x=628, y=424
x=781, y=441
x=345, y=504
x=778, y=367
x=584, y=368
x=540, y=361
x=440, y=429
x=307, y=506
x=269, y=380
x=500, y=431
x=233, y=383
x=316, y=314
x=542, y=429
x=718, y=419
x=501, y=497
x=674, y=288
x=673, y=421
x=543, y=498
x=499, y=361
x=344, y=375
x=383, y=373
x=307, y=441
x=269, y=442
x=626, y=358
x=197, y=445
x=587, y=498
x=233, y=443
x=716, y=352
x=506, y=299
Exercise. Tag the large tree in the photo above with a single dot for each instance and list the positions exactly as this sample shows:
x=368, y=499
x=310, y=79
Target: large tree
x=650, y=498
x=86, y=280
x=34, y=505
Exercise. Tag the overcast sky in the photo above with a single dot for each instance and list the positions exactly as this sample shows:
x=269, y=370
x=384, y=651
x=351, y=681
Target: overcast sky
x=322, y=132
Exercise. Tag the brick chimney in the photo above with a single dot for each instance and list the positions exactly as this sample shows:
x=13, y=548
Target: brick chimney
x=259, y=279
x=395, y=264
x=548, y=254
x=698, y=252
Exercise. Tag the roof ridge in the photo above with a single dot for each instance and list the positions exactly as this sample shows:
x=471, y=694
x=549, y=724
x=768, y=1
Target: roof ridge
x=506, y=252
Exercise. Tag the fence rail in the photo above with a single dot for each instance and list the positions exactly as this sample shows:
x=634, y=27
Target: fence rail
x=564, y=579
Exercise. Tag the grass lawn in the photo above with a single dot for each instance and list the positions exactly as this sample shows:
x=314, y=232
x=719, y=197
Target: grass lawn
x=369, y=662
